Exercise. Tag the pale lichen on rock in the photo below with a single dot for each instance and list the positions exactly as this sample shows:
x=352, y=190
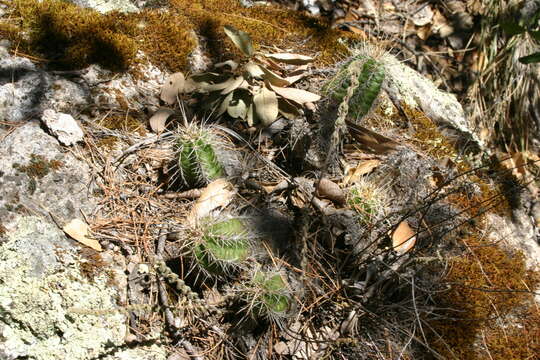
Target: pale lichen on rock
x=40, y=286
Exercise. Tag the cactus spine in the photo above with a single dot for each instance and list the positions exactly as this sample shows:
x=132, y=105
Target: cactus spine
x=222, y=247
x=197, y=162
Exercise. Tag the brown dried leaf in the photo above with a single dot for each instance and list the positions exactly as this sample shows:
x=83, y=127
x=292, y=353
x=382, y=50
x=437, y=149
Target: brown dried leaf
x=78, y=230
x=364, y=167
x=158, y=120
x=218, y=194
x=240, y=38
x=330, y=190
x=403, y=238
x=370, y=140
x=287, y=110
x=172, y=87
x=266, y=106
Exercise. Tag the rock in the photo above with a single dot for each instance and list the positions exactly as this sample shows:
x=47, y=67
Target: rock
x=63, y=126
x=104, y=6
x=406, y=85
x=49, y=309
x=37, y=177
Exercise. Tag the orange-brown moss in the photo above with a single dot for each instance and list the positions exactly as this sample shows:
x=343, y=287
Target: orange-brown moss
x=38, y=166
x=486, y=288
x=267, y=25
x=124, y=122
x=73, y=37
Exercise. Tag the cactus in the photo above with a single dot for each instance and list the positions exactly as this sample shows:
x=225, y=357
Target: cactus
x=197, y=162
x=365, y=76
x=222, y=247
x=267, y=296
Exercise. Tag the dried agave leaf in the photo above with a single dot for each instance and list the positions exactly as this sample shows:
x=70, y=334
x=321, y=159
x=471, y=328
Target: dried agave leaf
x=237, y=81
x=297, y=95
x=230, y=63
x=288, y=110
x=158, y=120
x=288, y=58
x=240, y=38
x=274, y=78
x=266, y=106
x=78, y=230
x=172, y=87
x=254, y=70
x=403, y=238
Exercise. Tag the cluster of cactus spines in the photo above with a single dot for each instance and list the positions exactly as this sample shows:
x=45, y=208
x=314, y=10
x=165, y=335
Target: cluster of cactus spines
x=197, y=163
x=223, y=246
x=268, y=296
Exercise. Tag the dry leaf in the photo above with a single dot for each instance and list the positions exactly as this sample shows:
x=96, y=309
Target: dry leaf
x=230, y=63
x=297, y=95
x=237, y=108
x=158, y=120
x=233, y=85
x=172, y=87
x=330, y=190
x=266, y=106
x=364, y=167
x=403, y=238
x=78, y=230
x=240, y=38
x=287, y=110
x=274, y=78
x=294, y=59
x=370, y=140
x=254, y=70
x=218, y=194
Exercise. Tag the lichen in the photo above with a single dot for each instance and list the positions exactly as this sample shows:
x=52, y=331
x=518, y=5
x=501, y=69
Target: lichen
x=35, y=315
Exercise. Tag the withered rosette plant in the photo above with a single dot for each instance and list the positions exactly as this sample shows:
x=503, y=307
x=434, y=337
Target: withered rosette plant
x=257, y=89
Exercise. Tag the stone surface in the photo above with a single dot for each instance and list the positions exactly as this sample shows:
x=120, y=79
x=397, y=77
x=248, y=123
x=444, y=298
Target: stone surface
x=406, y=85
x=49, y=309
x=63, y=126
x=104, y=6
x=37, y=177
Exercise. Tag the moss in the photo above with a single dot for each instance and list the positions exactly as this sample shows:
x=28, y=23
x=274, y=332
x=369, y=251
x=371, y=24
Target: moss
x=267, y=25
x=123, y=122
x=477, y=311
x=38, y=166
x=70, y=37
x=108, y=142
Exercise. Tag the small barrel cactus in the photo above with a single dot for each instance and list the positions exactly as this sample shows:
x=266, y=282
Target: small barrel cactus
x=268, y=296
x=222, y=247
x=197, y=162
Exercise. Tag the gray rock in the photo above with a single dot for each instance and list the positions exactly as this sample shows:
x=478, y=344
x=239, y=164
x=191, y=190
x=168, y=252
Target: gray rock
x=63, y=126
x=49, y=309
x=104, y=6
x=37, y=177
